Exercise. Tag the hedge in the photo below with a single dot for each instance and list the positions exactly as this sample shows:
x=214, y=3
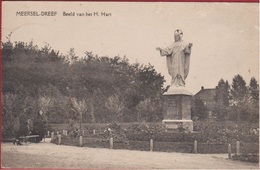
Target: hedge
x=207, y=132
x=246, y=157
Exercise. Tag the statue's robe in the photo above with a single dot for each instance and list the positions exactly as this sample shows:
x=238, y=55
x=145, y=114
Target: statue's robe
x=178, y=61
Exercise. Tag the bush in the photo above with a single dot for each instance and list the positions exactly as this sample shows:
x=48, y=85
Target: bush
x=227, y=132
x=143, y=132
x=246, y=157
x=115, y=131
x=206, y=132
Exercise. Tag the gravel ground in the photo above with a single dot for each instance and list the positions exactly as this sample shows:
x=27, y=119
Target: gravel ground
x=47, y=155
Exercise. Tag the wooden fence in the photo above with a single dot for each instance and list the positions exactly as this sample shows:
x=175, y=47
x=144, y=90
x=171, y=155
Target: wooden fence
x=185, y=147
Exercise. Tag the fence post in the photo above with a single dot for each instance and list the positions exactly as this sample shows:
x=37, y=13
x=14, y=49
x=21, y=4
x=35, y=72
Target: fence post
x=151, y=145
x=94, y=131
x=80, y=141
x=66, y=133
x=52, y=136
x=238, y=148
x=111, y=143
x=195, y=146
x=58, y=133
x=229, y=151
x=48, y=133
x=59, y=139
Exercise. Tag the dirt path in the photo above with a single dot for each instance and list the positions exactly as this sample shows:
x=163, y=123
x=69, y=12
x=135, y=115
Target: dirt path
x=47, y=155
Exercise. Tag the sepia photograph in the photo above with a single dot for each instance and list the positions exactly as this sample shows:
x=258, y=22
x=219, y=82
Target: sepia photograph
x=130, y=85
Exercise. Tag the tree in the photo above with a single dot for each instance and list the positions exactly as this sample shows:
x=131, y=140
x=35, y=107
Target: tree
x=8, y=115
x=147, y=110
x=222, y=93
x=7, y=48
x=222, y=99
x=254, y=89
x=46, y=49
x=91, y=105
x=239, y=90
x=143, y=110
x=80, y=107
x=38, y=126
x=239, y=96
x=72, y=57
x=44, y=103
x=253, y=107
x=58, y=109
x=38, y=118
x=33, y=73
x=199, y=110
x=114, y=104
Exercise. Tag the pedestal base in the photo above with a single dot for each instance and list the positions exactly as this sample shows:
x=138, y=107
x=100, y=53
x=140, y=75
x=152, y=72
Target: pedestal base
x=177, y=110
x=178, y=125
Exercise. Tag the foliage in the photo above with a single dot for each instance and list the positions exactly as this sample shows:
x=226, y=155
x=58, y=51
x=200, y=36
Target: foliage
x=7, y=116
x=246, y=157
x=80, y=107
x=222, y=100
x=212, y=137
x=199, y=110
x=143, y=110
x=115, y=131
x=227, y=132
x=239, y=90
x=254, y=89
x=43, y=79
x=15, y=120
x=143, y=131
x=44, y=103
x=238, y=102
x=71, y=57
x=115, y=106
x=222, y=93
x=39, y=126
x=253, y=104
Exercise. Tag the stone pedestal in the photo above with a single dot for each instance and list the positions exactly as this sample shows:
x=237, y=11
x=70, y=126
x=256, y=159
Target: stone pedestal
x=177, y=110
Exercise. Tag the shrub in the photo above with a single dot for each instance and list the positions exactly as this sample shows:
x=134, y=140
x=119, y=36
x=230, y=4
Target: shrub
x=206, y=132
x=246, y=157
x=115, y=131
x=143, y=132
x=227, y=132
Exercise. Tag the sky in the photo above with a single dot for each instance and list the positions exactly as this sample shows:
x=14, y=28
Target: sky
x=225, y=36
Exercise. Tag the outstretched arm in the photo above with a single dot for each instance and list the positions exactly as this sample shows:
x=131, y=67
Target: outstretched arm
x=188, y=48
x=164, y=52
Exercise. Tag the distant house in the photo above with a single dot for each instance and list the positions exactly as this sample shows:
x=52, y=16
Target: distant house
x=208, y=98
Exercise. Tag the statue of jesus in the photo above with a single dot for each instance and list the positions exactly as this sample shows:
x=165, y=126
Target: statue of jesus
x=178, y=59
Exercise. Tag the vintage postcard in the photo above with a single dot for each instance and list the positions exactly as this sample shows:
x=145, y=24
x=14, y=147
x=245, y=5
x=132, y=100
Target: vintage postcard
x=130, y=85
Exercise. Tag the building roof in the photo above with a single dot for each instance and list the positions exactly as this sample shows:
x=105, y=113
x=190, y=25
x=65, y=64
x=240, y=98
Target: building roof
x=206, y=94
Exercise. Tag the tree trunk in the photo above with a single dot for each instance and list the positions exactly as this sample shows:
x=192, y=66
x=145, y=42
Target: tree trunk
x=93, y=119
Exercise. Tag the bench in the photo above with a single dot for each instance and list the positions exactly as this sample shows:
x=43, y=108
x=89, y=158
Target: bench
x=25, y=139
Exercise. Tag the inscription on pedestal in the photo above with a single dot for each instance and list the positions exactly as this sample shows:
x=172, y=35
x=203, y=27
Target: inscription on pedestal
x=174, y=108
x=177, y=112
x=173, y=126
